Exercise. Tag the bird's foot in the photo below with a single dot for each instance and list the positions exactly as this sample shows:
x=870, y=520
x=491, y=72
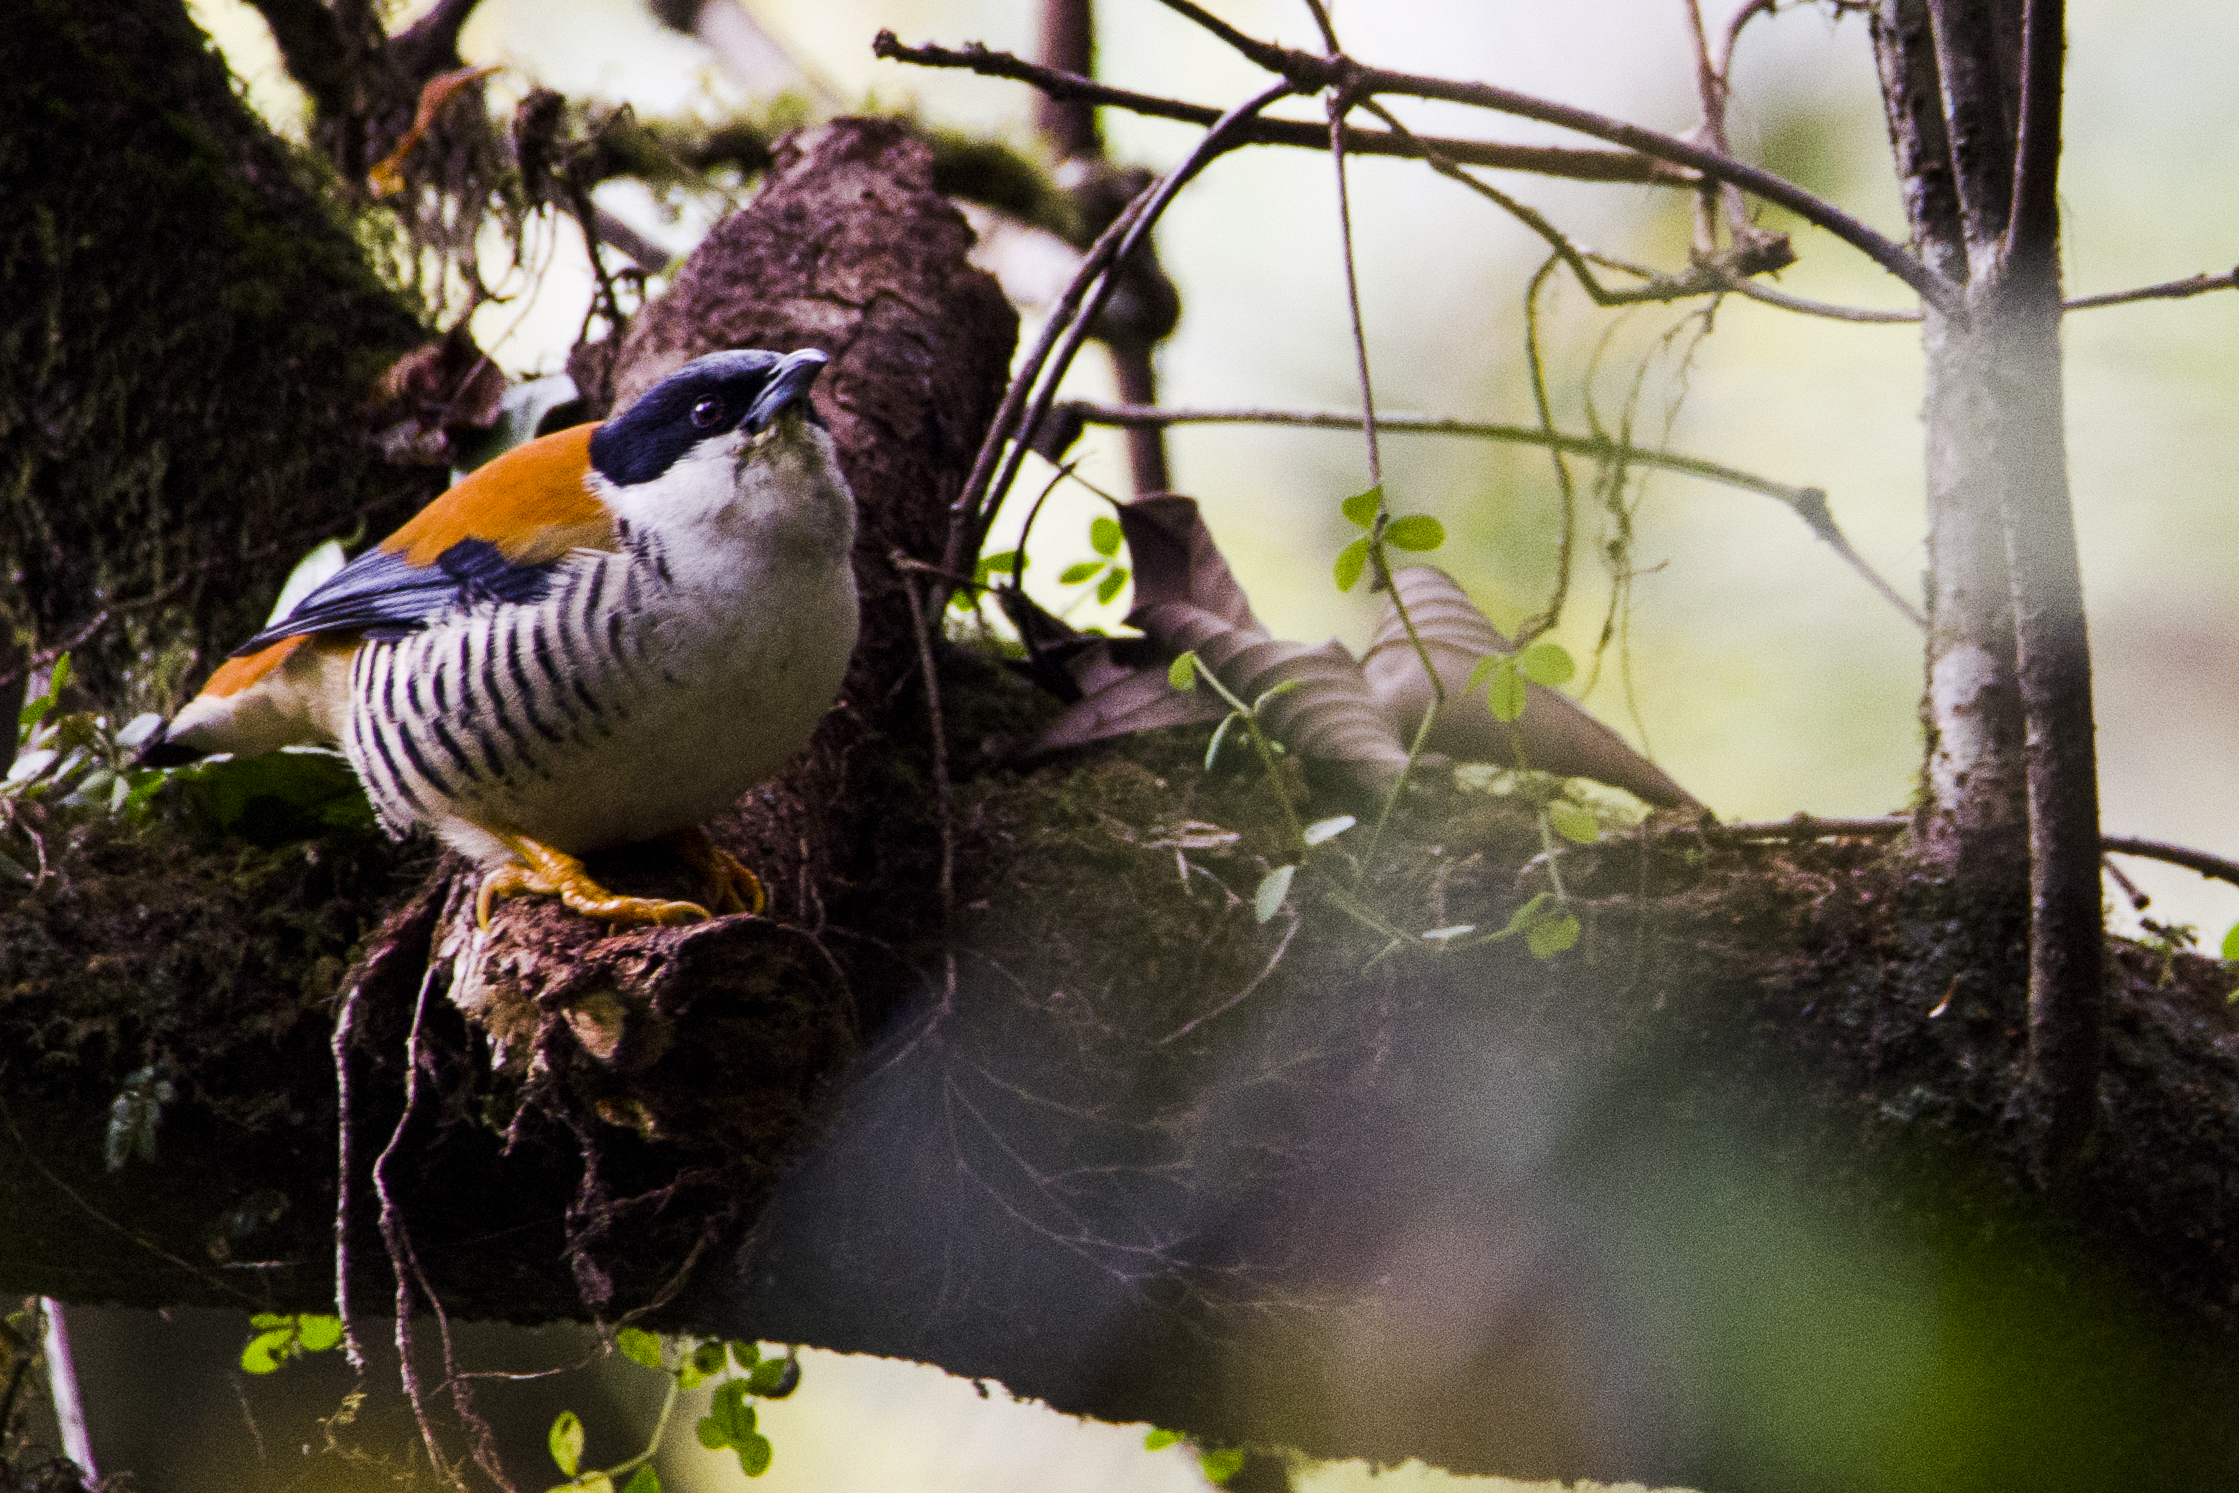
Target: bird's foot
x=553, y=873
x=737, y=888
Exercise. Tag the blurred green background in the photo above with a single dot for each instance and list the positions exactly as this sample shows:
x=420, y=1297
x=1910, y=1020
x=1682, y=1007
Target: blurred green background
x=1765, y=676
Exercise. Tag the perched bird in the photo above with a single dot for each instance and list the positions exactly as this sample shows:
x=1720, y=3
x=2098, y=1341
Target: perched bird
x=604, y=636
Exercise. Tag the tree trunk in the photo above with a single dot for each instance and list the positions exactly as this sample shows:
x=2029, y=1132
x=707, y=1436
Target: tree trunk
x=2010, y=810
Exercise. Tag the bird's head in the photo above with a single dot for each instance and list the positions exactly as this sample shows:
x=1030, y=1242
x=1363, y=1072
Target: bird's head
x=728, y=438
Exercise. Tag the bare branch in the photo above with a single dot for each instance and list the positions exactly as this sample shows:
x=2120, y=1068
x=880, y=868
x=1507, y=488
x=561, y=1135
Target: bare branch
x=1309, y=73
x=2170, y=290
x=2033, y=225
x=2214, y=867
x=975, y=507
x=1808, y=503
x=1756, y=290
x=1539, y=160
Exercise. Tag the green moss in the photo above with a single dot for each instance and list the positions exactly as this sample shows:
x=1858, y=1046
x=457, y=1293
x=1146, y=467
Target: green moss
x=187, y=337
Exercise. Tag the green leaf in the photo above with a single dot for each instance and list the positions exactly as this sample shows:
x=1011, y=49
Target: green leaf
x=318, y=1331
x=1273, y=888
x=731, y=1413
x=593, y=1482
x=707, y=1357
x=60, y=677
x=1182, y=672
x=711, y=1433
x=1159, y=1439
x=746, y=1355
x=265, y=1350
x=2231, y=943
x=1552, y=936
x=264, y=1321
x=1546, y=663
x=639, y=1346
x=1322, y=830
x=1003, y=562
x=1109, y=587
x=1525, y=916
x=754, y=1455
x=1361, y=507
x=1506, y=696
x=1220, y=1466
x=1417, y=531
x=1351, y=561
x=566, y=1441
x=1220, y=734
x=1481, y=675
x=774, y=1378
x=644, y=1480
x=1104, y=536
x=1077, y=573
x=1573, y=822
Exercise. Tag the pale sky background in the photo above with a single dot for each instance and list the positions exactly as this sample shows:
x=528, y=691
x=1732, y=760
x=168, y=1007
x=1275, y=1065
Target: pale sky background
x=1770, y=679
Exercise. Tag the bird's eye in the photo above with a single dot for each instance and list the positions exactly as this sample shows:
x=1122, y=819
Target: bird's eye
x=708, y=413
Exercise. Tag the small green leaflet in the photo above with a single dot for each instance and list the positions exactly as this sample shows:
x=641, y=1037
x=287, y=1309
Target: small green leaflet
x=1273, y=888
x=1182, y=672
x=1104, y=537
x=1546, y=663
x=1351, y=561
x=1552, y=936
x=1322, y=830
x=1362, y=507
x=1505, y=694
x=1220, y=1466
x=1109, y=587
x=644, y=1480
x=1574, y=823
x=2231, y=943
x=746, y=1355
x=1417, y=531
x=1158, y=1440
x=639, y=1346
x=1080, y=571
x=566, y=1441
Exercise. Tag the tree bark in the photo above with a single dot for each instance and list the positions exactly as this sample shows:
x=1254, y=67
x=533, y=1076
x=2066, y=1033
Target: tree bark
x=1725, y=1195
x=2011, y=802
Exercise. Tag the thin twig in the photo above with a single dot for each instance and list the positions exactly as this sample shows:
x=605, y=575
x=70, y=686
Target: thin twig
x=1281, y=947
x=1308, y=72
x=1540, y=160
x=1758, y=290
x=24, y=1146
x=403, y=1264
x=1808, y=503
x=943, y=795
x=1533, y=627
x=2168, y=290
x=345, y=1035
x=975, y=508
x=2214, y=867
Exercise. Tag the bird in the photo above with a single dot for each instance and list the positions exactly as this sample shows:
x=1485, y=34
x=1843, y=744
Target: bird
x=602, y=637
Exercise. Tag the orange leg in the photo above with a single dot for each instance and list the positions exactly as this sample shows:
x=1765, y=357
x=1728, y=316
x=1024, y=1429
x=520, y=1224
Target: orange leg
x=737, y=888
x=553, y=873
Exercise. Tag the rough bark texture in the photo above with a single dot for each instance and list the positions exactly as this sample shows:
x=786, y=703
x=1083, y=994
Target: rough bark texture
x=187, y=339
x=1733, y=1193
x=2012, y=805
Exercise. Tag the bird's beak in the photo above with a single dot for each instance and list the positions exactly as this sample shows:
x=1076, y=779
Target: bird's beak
x=788, y=386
